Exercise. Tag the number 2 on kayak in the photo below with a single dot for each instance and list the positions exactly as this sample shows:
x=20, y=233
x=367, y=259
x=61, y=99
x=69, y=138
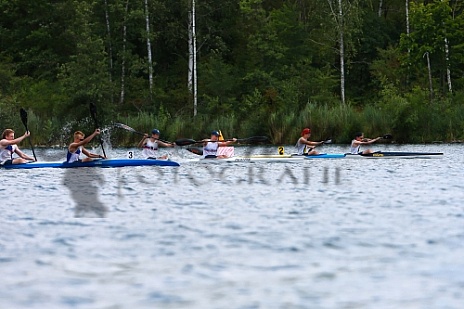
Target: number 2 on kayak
x=281, y=150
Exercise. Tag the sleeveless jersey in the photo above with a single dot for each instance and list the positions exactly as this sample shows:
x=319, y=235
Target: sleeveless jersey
x=210, y=149
x=73, y=157
x=301, y=148
x=354, y=149
x=150, y=149
x=7, y=153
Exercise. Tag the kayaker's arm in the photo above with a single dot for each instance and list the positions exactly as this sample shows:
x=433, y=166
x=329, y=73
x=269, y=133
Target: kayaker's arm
x=73, y=146
x=222, y=144
x=23, y=155
x=92, y=155
x=5, y=142
x=142, y=141
x=165, y=144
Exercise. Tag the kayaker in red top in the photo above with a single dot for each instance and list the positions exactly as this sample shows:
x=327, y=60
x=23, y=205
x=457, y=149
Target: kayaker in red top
x=304, y=146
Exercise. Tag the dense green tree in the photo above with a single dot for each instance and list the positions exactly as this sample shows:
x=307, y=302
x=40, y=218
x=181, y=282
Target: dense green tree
x=268, y=65
x=435, y=28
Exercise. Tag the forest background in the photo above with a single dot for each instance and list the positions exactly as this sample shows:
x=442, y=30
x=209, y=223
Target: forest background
x=246, y=67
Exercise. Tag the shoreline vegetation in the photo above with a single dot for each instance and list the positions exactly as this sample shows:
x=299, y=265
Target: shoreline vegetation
x=435, y=123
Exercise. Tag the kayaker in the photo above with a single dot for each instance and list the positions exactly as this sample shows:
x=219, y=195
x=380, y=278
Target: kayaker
x=210, y=146
x=77, y=147
x=8, y=146
x=151, y=145
x=304, y=146
x=359, y=140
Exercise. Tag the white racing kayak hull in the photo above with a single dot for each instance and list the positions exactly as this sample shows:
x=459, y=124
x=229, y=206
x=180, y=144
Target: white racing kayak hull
x=270, y=158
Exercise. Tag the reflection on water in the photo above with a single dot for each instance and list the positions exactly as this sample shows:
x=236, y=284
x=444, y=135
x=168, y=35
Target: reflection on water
x=82, y=185
x=322, y=234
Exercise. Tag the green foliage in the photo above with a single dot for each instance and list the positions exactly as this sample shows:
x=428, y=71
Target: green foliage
x=264, y=68
x=436, y=27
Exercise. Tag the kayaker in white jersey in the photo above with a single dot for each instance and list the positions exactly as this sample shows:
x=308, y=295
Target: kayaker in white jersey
x=304, y=146
x=151, y=145
x=210, y=146
x=77, y=147
x=8, y=146
x=359, y=140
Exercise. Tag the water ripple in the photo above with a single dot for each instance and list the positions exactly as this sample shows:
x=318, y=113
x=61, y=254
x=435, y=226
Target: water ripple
x=386, y=234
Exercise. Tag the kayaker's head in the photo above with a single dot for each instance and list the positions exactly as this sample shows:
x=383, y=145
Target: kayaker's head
x=359, y=136
x=214, y=135
x=306, y=132
x=78, y=136
x=155, y=133
x=8, y=134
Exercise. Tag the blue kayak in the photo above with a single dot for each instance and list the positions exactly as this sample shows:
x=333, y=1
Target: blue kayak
x=94, y=163
x=325, y=156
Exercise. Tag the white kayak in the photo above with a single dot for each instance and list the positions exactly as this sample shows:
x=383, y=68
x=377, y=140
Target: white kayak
x=270, y=158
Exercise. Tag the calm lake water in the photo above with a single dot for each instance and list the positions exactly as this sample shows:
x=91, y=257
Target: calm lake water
x=339, y=233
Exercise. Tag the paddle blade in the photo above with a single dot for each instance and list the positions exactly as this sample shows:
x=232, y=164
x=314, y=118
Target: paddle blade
x=23, y=114
x=126, y=127
x=123, y=126
x=387, y=136
x=329, y=141
x=196, y=150
x=93, y=113
x=186, y=141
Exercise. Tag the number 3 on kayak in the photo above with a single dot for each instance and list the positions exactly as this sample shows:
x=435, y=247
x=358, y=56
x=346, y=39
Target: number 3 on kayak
x=130, y=154
x=281, y=150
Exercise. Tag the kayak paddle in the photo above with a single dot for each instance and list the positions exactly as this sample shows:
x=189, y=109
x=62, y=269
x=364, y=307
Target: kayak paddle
x=196, y=150
x=23, y=114
x=93, y=113
x=127, y=128
x=130, y=129
x=252, y=139
x=327, y=141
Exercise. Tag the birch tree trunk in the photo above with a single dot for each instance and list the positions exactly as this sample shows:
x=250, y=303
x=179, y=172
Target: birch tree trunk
x=150, y=60
x=407, y=18
x=381, y=8
x=429, y=67
x=190, y=61
x=342, y=52
x=408, y=34
x=110, y=46
x=192, y=72
x=195, y=80
x=123, y=61
x=448, y=70
x=339, y=20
